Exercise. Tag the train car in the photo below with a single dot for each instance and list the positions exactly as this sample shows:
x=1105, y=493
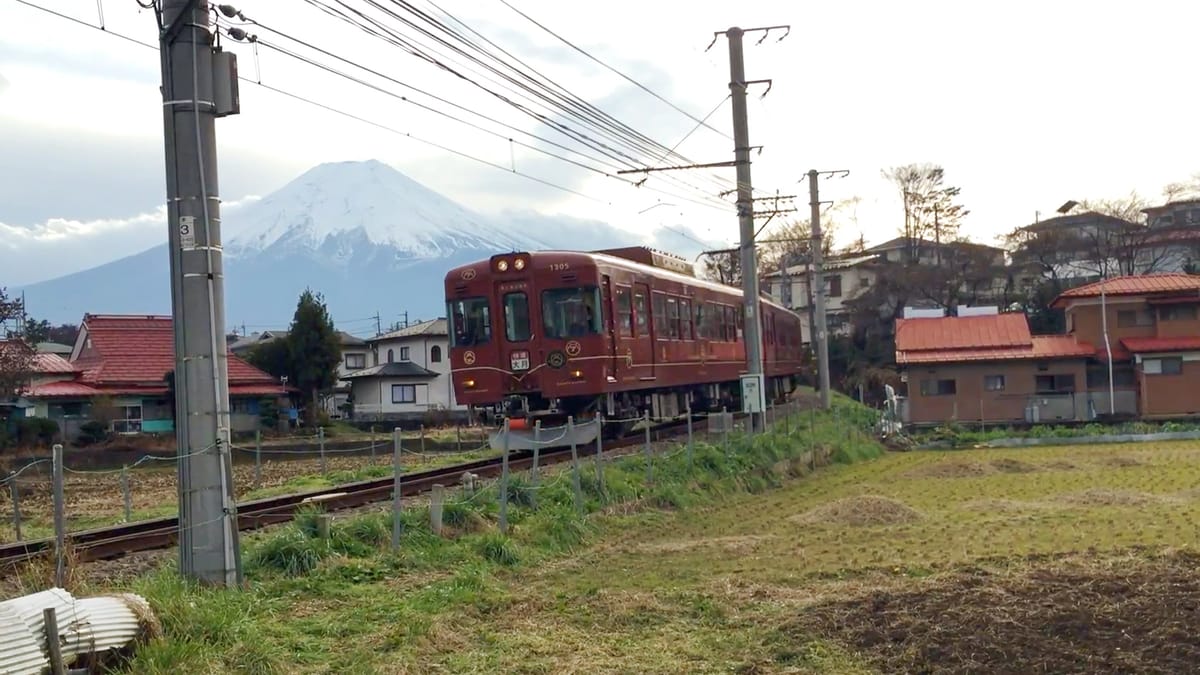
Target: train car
x=543, y=335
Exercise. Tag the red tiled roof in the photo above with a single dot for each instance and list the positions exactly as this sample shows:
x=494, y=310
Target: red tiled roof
x=257, y=389
x=1041, y=347
x=1162, y=344
x=52, y=364
x=1118, y=353
x=1133, y=285
x=61, y=390
x=140, y=350
x=962, y=332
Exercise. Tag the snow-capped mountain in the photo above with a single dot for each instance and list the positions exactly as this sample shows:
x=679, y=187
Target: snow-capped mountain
x=367, y=237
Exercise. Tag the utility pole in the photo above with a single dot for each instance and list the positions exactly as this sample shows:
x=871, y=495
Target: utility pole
x=818, y=276
x=378, y=324
x=194, y=93
x=745, y=203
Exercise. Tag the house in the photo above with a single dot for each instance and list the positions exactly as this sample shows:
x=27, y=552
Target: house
x=356, y=354
x=914, y=250
x=1172, y=242
x=845, y=279
x=410, y=376
x=1132, y=348
x=988, y=368
x=120, y=362
x=53, y=348
x=244, y=344
x=1150, y=326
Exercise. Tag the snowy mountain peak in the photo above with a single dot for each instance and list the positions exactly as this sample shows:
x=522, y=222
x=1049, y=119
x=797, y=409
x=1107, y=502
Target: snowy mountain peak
x=338, y=203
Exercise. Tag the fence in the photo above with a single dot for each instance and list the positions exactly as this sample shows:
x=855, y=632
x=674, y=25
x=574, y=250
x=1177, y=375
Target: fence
x=81, y=499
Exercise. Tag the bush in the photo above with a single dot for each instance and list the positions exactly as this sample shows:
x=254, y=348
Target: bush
x=92, y=432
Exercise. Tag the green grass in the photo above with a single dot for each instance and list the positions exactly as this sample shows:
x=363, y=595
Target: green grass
x=347, y=603
x=963, y=436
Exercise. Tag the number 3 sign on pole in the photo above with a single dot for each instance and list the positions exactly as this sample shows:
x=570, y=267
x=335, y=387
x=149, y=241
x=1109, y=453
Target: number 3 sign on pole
x=187, y=231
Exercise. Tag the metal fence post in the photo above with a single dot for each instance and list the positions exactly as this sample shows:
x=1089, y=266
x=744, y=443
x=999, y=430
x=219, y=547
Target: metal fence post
x=397, y=448
x=125, y=495
x=53, y=644
x=689, y=427
x=600, y=453
x=422, y=439
x=537, y=451
x=458, y=437
x=321, y=441
x=60, y=525
x=575, y=466
x=372, y=445
x=649, y=464
x=726, y=422
x=257, y=457
x=504, y=482
x=15, y=492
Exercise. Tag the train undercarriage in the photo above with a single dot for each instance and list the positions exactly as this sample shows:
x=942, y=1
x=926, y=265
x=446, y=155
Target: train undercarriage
x=533, y=420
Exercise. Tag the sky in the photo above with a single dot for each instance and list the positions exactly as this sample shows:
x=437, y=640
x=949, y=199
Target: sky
x=1025, y=104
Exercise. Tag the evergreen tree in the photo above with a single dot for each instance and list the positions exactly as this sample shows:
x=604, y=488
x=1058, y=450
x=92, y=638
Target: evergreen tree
x=314, y=349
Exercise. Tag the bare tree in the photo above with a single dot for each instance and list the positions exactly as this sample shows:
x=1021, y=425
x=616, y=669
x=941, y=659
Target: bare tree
x=1187, y=189
x=930, y=208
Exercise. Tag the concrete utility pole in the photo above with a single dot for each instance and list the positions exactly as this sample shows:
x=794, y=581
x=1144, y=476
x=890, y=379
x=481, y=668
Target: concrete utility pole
x=752, y=333
x=821, y=339
x=208, y=535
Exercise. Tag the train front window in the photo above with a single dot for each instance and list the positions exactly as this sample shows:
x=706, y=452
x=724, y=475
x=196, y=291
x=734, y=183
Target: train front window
x=472, y=322
x=571, y=312
x=516, y=317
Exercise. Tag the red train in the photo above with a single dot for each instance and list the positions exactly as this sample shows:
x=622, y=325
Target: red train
x=547, y=334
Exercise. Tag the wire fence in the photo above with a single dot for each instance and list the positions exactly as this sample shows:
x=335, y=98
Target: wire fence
x=38, y=508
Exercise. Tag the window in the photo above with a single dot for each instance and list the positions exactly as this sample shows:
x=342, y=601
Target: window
x=472, y=322
x=729, y=324
x=864, y=281
x=1054, y=384
x=641, y=313
x=939, y=387
x=356, y=361
x=624, y=312
x=435, y=354
x=673, y=318
x=685, y=320
x=1167, y=365
x=391, y=356
x=571, y=312
x=404, y=393
x=835, y=286
x=993, y=383
x=129, y=419
x=1127, y=318
x=660, y=315
x=404, y=354
x=701, y=331
x=1177, y=313
x=516, y=317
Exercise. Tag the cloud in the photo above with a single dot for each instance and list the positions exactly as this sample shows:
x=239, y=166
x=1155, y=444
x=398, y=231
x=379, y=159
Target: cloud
x=59, y=246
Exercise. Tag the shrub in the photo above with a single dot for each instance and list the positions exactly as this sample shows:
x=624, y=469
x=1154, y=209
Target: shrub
x=92, y=432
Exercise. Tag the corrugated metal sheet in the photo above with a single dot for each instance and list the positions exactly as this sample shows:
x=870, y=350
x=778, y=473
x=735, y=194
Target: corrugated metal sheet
x=85, y=626
x=20, y=651
x=111, y=622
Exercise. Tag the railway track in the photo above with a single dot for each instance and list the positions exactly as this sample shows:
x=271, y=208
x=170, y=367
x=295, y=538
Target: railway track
x=158, y=533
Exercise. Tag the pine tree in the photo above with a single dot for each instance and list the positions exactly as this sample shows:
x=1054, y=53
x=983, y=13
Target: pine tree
x=313, y=349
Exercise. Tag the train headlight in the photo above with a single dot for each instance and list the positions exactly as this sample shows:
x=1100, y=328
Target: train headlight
x=577, y=374
x=502, y=265
x=469, y=384
x=519, y=264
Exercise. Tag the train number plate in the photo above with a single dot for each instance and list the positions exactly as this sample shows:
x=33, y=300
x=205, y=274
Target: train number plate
x=519, y=361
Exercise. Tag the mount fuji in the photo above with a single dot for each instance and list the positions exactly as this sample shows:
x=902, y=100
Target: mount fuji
x=367, y=237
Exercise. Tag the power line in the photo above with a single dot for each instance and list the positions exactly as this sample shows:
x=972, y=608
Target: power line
x=639, y=85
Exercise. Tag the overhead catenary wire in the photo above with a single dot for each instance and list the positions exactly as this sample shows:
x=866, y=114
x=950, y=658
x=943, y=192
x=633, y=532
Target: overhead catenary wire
x=527, y=90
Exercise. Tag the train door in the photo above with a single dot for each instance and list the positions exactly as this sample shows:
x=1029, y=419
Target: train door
x=643, y=338
x=611, y=329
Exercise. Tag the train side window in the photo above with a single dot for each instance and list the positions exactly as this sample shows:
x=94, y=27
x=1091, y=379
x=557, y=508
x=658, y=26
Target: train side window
x=641, y=313
x=660, y=316
x=701, y=333
x=685, y=320
x=673, y=318
x=624, y=312
x=516, y=317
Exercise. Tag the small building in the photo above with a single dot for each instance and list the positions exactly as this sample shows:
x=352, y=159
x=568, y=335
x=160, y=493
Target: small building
x=119, y=363
x=356, y=356
x=988, y=368
x=410, y=378
x=1132, y=349
x=845, y=279
x=1153, y=336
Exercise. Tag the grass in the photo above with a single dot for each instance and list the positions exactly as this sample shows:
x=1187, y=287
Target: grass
x=732, y=565
x=961, y=436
